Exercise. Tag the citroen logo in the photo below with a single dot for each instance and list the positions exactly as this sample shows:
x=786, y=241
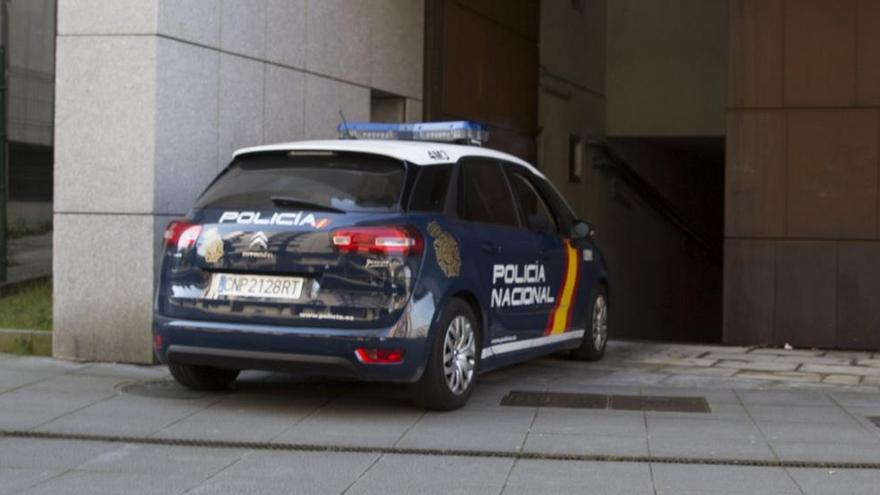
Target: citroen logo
x=259, y=242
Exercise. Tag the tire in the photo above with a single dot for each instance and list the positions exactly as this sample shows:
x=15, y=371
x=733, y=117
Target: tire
x=595, y=338
x=438, y=388
x=202, y=377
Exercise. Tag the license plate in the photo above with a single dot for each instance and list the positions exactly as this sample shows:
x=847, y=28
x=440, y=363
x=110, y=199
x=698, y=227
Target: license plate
x=226, y=285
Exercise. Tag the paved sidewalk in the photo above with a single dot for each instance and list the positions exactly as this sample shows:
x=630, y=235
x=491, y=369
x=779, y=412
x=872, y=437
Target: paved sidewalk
x=803, y=366
x=756, y=436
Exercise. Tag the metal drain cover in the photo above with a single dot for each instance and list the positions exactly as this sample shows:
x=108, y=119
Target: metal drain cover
x=602, y=401
x=161, y=389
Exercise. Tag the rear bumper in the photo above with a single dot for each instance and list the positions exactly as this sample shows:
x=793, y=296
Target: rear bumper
x=313, y=351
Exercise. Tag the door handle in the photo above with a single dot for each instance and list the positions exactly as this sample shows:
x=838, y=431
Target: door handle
x=491, y=247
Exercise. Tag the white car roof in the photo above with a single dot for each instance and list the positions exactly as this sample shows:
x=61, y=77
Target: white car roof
x=417, y=152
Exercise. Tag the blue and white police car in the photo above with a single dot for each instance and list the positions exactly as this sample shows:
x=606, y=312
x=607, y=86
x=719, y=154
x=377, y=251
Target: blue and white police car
x=393, y=254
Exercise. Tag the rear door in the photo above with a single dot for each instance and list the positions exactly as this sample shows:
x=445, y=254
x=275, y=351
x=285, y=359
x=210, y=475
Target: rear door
x=281, y=241
x=505, y=255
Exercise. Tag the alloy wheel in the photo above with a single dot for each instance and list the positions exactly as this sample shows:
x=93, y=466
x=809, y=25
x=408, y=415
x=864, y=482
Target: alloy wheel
x=600, y=322
x=459, y=354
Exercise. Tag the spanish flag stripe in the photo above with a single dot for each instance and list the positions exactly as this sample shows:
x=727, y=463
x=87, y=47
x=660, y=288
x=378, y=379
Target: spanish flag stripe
x=560, y=317
x=552, y=319
x=577, y=279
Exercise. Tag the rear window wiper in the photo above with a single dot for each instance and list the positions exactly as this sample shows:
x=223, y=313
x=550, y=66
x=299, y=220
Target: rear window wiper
x=299, y=203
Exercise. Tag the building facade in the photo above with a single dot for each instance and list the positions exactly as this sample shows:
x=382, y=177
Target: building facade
x=725, y=150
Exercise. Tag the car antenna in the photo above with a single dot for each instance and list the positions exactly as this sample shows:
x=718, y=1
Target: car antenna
x=345, y=126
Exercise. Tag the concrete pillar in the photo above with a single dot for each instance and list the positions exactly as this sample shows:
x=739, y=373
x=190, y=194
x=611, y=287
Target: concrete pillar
x=152, y=98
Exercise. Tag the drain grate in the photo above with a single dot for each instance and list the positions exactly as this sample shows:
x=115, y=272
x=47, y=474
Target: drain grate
x=602, y=401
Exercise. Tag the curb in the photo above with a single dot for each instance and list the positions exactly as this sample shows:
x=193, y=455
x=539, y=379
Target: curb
x=31, y=342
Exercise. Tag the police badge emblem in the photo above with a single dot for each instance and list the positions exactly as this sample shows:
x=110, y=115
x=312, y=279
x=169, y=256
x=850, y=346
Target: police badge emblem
x=445, y=250
x=212, y=246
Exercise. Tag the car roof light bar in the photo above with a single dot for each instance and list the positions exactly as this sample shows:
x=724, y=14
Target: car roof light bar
x=462, y=131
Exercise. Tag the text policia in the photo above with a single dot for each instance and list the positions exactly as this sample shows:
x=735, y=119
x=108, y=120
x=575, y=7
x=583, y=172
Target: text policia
x=520, y=285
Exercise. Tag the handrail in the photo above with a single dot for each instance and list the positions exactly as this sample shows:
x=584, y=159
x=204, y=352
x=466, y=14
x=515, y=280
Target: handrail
x=615, y=165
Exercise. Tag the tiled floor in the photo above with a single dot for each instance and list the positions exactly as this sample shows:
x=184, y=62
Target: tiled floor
x=777, y=421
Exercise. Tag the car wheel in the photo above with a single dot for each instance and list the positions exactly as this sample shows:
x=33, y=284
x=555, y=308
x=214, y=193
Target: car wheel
x=596, y=334
x=202, y=377
x=451, y=369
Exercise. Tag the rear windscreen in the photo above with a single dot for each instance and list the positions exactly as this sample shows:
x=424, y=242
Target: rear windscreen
x=343, y=181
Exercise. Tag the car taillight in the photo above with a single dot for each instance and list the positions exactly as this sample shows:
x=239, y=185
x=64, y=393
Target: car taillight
x=377, y=240
x=379, y=356
x=181, y=234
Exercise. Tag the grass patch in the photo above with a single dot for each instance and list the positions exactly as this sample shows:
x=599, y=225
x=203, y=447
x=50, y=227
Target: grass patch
x=28, y=307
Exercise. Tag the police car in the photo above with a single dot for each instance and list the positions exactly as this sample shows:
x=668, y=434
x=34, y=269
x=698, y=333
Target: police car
x=390, y=255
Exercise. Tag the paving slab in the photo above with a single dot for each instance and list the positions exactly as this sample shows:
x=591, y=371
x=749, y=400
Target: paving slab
x=289, y=472
x=16, y=480
x=76, y=384
x=768, y=358
x=783, y=376
x=718, y=411
x=471, y=428
x=806, y=432
x=234, y=430
x=671, y=479
x=48, y=454
x=842, y=379
x=698, y=371
x=826, y=451
x=778, y=351
x=784, y=397
x=11, y=379
x=697, y=447
x=595, y=422
x=353, y=422
x=836, y=482
x=163, y=460
x=698, y=430
x=713, y=395
x=24, y=409
x=408, y=474
x=757, y=365
x=801, y=414
x=40, y=364
x=548, y=477
x=840, y=370
x=98, y=483
x=107, y=424
x=855, y=399
x=586, y=444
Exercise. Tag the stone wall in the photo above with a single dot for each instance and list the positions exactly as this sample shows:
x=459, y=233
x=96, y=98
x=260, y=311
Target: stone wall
x=802, y=227
x=152, y=98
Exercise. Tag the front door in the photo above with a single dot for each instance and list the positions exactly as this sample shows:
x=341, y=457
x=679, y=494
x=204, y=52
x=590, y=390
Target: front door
x=507, y=255
x=560, y=261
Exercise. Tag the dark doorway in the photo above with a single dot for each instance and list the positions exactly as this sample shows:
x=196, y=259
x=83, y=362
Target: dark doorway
x=481, y=63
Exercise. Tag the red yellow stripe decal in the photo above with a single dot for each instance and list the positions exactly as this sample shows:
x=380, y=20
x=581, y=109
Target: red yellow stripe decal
x=560, y=317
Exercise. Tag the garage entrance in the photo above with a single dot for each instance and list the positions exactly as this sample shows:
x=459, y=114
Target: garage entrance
x=622, y=104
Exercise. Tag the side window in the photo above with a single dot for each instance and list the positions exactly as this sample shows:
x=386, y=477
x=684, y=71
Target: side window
x=484, y=194
x=429, y=191
x=535, y=212
x=564, y=215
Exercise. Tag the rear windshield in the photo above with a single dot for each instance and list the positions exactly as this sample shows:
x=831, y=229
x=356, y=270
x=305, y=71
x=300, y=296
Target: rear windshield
x=343, y=181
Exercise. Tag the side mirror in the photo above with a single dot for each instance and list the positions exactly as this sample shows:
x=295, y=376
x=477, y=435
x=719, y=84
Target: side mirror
x=581, y=230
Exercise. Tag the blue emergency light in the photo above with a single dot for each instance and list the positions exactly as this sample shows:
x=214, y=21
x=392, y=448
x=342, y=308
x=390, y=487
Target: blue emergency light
x=460, y=131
